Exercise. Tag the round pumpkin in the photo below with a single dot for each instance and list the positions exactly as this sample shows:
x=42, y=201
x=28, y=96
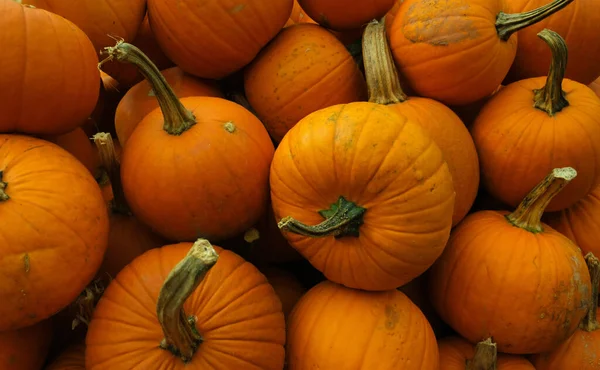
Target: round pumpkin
x=49, y=83
x=578, y=23
x=235, y=319
x=25, y=348
x=458, y=354
x=54, y=229
x=72, y=358
x=441, y=123
x=286, y=286
x=213, y=39
x=304, y=69
x=510, y=277
x=364, y=194
x=519, y=142
x=334, y=327
x=79, y=145
x=458, y=51
x=345, y=15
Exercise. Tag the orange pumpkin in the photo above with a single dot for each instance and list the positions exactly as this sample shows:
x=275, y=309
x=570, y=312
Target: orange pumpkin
x=26, y=348
x=458, y=51
x=77, y=143
x=372, y=213
x=211, y=179
x=235, y=319
x=49, y=83
x=54, y=229
x=416, y=290
x=213, y=39
x=299, y=15
x=345, y=15
x=286, y=286
x=141, y=100
x=519, y=142
x=513, y=278
x=333, y=327
x=73, y=358
x=458, y=354
x=578, y=23
x=443, y=125
x=595, y=86
x=303, y=70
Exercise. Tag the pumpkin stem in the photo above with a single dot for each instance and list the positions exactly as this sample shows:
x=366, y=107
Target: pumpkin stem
x=181, y=336
x=178, y=118
x=341, y=219
x=485, y=358
x=3, y=185
x=382, y=77
x=551, y=98
x=86, y=303
x=590, y=322
x=528, y=214
x=508, y=24
x=112, y=167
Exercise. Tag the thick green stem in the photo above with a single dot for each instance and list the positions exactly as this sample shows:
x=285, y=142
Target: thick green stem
x=181, y=336
x=508, y=24
x=178, y=118
x=344, y=218
x=3, y=185
x=551, y=98
x=485, y=358
x=110, y=164
x=590, y=322
x=528, y=214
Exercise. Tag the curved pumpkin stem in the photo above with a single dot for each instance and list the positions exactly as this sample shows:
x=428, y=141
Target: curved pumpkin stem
x=178, y=118
x=590, y=322
x=551, y=98
x=382, y=77
x=485, y=358
x=108, y=161
x=181, y=336
x=3, y=185
x=344, y=218
x=508, y=24
x=528, y=214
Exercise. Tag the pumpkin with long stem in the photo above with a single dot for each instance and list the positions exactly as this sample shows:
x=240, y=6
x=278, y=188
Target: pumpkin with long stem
x=458, y=354
x=510, y=277
x=443, y=125
x=459, y=51
x=532, y=126
x=198, y=166
x=187, y=306
x=345, y=15
x=25, y=348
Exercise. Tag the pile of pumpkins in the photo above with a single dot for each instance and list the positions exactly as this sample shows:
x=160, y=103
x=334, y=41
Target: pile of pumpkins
x=299, y=184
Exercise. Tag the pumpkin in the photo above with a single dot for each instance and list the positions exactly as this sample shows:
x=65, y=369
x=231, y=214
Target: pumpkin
x=581, y=350
x=377, y=330
x=303, y=70
x=77, y=143
x=510, y=277
x=345, y=15
x=286, y=286
x=213, y=179
x=578, y=23
x=443, y=125
x=72, y=358
x=25, y=348
x=49, y=83
x=519, y=142
x=363, y=194
x=298, y=15
x=141, y=100
x=391, y=14
x=213, y=39
x=458, y=354
x=458, y=51
x=235, y=319
x=416, y=290
x=595, y=86
x=54, y=229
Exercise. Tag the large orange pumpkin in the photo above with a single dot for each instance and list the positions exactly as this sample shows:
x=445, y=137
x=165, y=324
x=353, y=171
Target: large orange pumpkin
x=26, y=348
x=334, y=327
x=458, y=354
x=345, y=15
x=458, y=51
x=443, y=125
x=72, y=358
x=513, y=278
x=187, y=312
x=532, y=126
x=213, y=39
x=49, y=83
x=54, y=229
x=364, y=194
x=303, y=70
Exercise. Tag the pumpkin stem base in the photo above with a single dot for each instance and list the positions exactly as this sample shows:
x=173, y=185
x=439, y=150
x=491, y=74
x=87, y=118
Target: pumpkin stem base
x=508, y=24
x=485, y=358
x=590, y=322
x=3, y=185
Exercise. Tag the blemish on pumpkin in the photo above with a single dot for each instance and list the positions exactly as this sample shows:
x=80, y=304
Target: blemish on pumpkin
x=229, y=127
x=151, y=92
x=391, y=317
x=26, y=262
x=238, y=8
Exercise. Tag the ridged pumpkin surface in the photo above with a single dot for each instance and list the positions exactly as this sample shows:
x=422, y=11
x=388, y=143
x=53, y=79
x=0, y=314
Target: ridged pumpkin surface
x=345, y=15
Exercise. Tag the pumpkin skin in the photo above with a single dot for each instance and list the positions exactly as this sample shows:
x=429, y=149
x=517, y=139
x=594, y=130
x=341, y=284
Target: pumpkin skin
x=284, y=85
x=239, y=317
x=286, y=286
x=455, y=351
x=345, y=15
x=595, y=86
x=77, y=143
x=237, y=32
x=399, y=176
x=299, y=15
x=25, y=348
x=60, y=232
x=30, y=101
x=73, y=358
x=378, y=330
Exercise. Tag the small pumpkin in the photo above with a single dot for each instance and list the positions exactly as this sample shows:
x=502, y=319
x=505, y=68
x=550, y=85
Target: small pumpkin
x=519, y=142
x=298, y=15
x=377, y=330
x=458, y=354
x=345, y=15
x=54, y=229
x=458, y=51
x=510, y=277
x=72, y=358
x=77, y=143
x=286, y=286
x=209, y=308
x=25, y=348
x=304, y=69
